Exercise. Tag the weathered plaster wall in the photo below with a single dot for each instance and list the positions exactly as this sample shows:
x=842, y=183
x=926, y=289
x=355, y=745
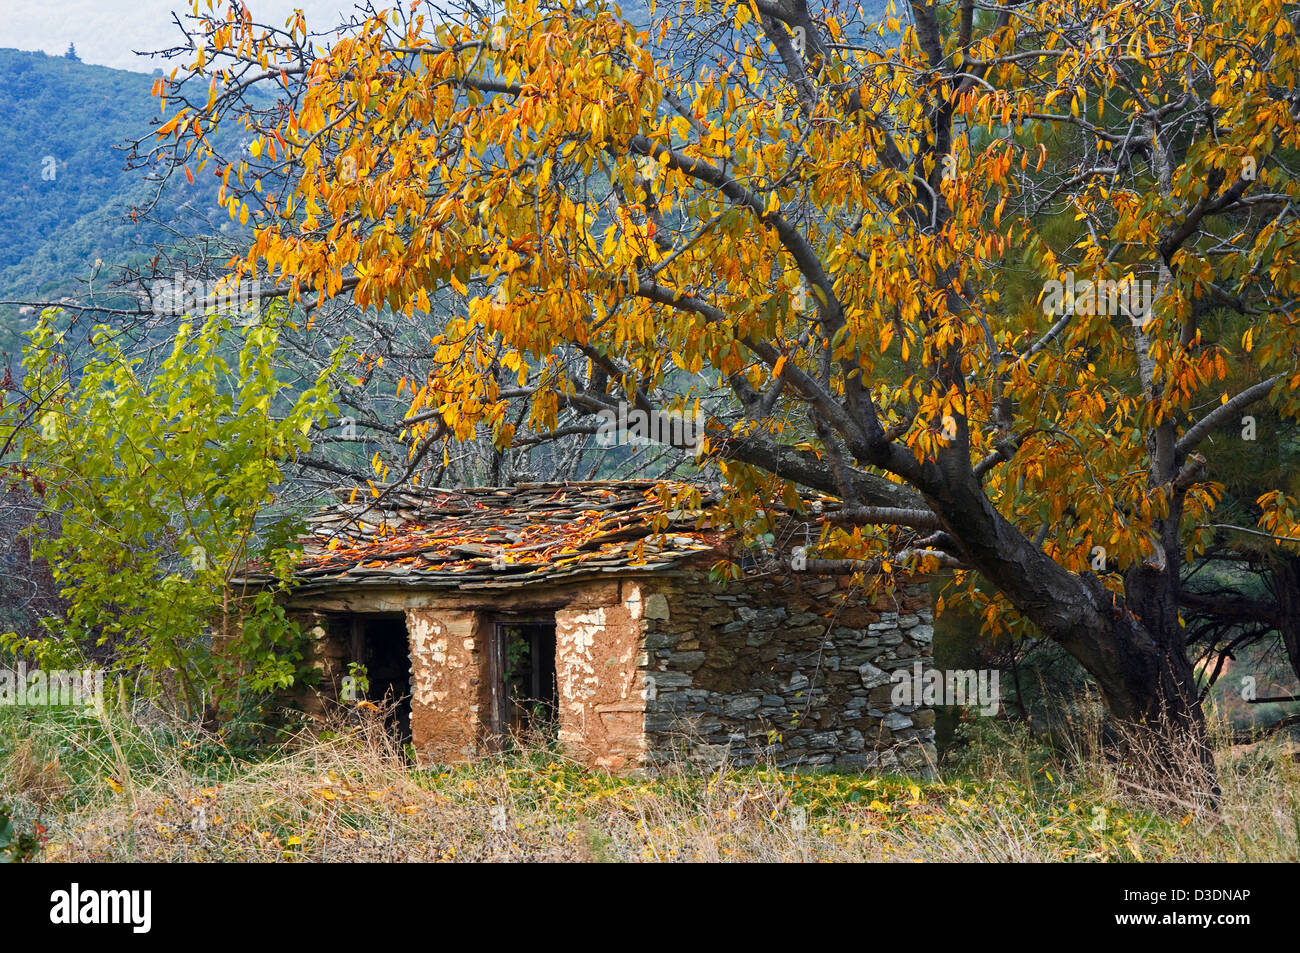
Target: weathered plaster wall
x=449, y=687
x=762, y=671
x=601, y=687
x=597, y=658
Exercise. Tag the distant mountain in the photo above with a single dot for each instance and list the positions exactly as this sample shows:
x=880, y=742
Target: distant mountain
x=64, y=192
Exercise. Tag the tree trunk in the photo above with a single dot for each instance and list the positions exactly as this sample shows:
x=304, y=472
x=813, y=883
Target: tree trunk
x=1286, y=584
x=1132, y=645
x=1149, y=684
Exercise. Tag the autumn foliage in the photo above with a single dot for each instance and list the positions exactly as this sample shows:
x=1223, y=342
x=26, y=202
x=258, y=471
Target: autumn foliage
x=835, y=234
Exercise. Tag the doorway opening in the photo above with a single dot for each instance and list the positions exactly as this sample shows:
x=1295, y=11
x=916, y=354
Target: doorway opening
x=380, y=643
x=524, y=691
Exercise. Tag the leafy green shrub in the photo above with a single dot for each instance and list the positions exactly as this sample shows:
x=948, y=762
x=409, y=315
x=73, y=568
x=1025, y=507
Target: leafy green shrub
x=163, y=484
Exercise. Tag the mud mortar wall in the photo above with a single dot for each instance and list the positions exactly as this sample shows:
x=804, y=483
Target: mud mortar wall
x=449, y=688
x=762, y=671
x=598, y=663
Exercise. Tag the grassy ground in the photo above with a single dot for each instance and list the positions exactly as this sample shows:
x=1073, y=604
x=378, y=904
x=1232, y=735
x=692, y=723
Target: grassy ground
x=111, y=788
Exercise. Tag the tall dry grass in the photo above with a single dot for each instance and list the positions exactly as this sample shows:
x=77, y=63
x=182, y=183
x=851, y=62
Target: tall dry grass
x=146, y=788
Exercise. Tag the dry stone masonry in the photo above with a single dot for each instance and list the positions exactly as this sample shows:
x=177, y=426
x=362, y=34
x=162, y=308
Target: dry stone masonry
x=764, y=672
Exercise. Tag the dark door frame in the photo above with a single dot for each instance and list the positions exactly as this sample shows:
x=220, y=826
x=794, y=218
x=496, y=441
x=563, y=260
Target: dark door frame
x=362, y=652
x=499, y=703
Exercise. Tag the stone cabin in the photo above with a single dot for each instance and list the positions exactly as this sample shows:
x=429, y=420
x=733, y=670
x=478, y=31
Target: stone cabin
x=564, y=607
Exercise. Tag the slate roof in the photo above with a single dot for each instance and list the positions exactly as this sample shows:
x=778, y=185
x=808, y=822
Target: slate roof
x=488, y=537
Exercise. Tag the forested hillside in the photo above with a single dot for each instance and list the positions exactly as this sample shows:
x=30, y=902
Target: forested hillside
x=65, y=191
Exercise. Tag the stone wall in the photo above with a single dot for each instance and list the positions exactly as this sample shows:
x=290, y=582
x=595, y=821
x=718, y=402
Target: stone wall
x=325, y=650
x=764, y=670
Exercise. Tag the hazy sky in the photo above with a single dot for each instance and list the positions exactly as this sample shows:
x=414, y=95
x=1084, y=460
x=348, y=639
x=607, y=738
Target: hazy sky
x=107, y=31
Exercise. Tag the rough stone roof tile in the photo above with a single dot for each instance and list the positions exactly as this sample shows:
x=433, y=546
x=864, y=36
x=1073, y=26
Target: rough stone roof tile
x=490, y=537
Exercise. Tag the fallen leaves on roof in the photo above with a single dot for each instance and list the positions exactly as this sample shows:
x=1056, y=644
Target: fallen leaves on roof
x=500, y=537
